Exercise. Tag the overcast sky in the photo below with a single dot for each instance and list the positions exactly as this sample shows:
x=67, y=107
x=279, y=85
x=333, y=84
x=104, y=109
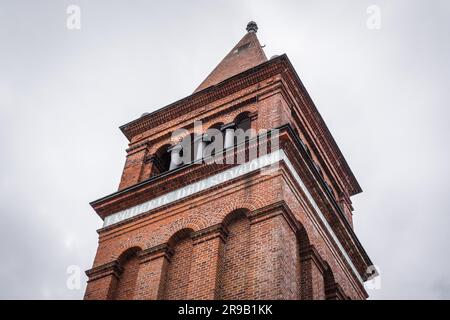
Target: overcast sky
x=63, y=94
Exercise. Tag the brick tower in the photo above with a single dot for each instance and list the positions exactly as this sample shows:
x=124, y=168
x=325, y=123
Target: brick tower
x=199, y=225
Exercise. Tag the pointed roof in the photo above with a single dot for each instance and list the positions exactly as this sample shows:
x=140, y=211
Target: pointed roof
x=247, y=54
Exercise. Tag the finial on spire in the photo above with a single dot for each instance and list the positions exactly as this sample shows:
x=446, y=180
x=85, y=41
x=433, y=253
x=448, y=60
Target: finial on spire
x=252, y=27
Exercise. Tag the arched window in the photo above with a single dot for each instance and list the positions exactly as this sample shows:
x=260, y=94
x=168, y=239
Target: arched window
x=238, y=133
x=162, y=160
x=243, y=131
x=189, y=150
x=243, y=121
x=215, y=140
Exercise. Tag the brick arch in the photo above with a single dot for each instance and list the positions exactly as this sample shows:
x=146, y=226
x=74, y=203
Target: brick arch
x=157, y=145
x=329, y=282
x=302, y=236
x=189, y=147
x=229, y=117
x=328, y=275
x=188, y=130
x=162, y=160
x=252, y=203
x=124, y=256
x=242, y=116
x=129, y=269
x=235, y=262
x=223, y=118
x=181, y=133
x=166, y=139
x=309, y=265
x=194, y=221
x=135, y=242
x=179, y=236
x=215, y=125
x=234, y=215
x=324, y=254
x=335, y=288
x=179, y=269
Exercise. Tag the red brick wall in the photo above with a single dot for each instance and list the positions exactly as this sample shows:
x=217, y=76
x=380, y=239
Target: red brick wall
x=151, y=278
x=178, y=271
x=236, y=263
x=274, y=259
x=204, y=280
x=126, y=284
x=271, y=253
x=256, y=256
x=102, y=288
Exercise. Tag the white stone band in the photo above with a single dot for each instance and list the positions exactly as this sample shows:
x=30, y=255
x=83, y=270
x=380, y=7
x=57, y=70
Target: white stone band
x=196, y=187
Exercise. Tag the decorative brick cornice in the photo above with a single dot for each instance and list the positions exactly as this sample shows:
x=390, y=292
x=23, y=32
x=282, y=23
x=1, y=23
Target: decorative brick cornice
x=205, y=97
x=333, y=212
x=111, y=268
x=209, y=233
x=279, y=65
x=310, y=252
x=324, y=137
x=159, y=251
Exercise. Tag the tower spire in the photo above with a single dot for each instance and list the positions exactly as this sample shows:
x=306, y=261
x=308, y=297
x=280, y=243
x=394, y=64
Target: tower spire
x=246, y=54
